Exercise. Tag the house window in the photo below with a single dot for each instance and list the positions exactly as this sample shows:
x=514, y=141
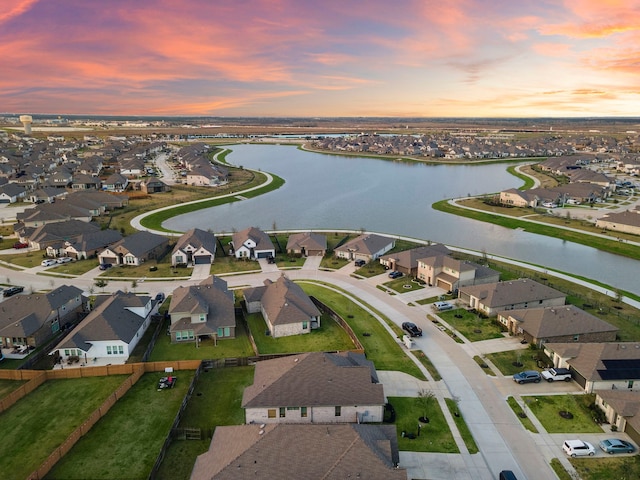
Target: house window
x=178, y=335
x=305, y=325
x=630, y=384
x=203, y=317
x=108, y=349
x=227, y=331
x=190, y=335
x=220, y=332
x=576, y=338
x=283, y=412
x=271, y=413
x=66, y=352
x=338, y=410
x=179, y=259
x=120, y=349
x=303, y=412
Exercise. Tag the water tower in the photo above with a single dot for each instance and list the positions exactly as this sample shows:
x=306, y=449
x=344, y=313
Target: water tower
x=26, y=121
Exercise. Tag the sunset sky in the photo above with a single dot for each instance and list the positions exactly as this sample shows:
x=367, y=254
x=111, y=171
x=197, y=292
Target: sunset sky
x=428, y=58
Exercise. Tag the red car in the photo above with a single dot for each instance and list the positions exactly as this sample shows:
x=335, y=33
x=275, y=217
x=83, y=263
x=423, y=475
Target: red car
x=20, y=245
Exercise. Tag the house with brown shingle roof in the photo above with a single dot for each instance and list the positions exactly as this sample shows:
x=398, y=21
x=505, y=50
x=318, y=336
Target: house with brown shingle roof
x=625, y=222
x=285, y=451
x=202, y=311
x=252, y=243
x=406, y=261
x=567, y=323
x=307, y=244
x=622, y=409
x=195, y=246
x=599, y=366
x=135, y=249
x=365, y=247
x=490, y=298
x=315, y=387
x=518, y=198
x=450, y=274
x=286, y=309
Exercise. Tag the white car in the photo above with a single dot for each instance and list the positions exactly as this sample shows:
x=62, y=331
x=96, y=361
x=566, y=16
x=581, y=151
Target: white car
x=48, y=262
x=64, y=259
x=576, y=448
x=549, y=205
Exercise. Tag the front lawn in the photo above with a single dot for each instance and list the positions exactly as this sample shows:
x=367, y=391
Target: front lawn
x=607, y=468
x=134, y=430
x=41, y=421
x=514, y=361
x=380, y=347
x=470, y=325
x=329, y=337
x=404, y=284
x=434, y=436
x=547, y=411
x=216, y=401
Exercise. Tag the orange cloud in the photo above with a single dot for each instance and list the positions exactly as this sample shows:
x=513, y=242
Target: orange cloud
x=12, y=9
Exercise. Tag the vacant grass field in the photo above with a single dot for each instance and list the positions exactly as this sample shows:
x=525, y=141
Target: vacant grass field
x=504, y=361
x=610, y=468
x=41, y=421
x=207, y=349
x=470, y=325
x=216, y=401
x=380, y=347
x=134, y=430
x=435, y=436
x=547, y=408
x=329, y=337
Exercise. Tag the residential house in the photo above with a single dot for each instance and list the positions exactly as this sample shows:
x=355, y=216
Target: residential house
x=11, y=193
x=518, y=198
x=567, y=323
x=135, y=249
x=204, y=175
x=85, y=182
x=88, y=245
x=491, y=298
x=202, y=311
x=54, y=235
x=406, y=261
x=153, y=185
x=109, y=333
x=115, y=183
x=31, y=320
x=624, y=222
x=599, y=366
x=307, y=244
x=310, y=451
x=196, y=247
x=315, y=387
x=252, y=243
x=365, y=247
x=286, y=309
x=47, y=194
x=451, y=274
x=622, y=409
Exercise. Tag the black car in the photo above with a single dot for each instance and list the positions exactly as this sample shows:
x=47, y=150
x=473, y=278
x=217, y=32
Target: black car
x=412, y=329
x=160, y=297
x=395, y=274
x=104, y=266
x=12, y=291
x=360, y=263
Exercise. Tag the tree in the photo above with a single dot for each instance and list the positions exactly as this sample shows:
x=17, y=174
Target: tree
x=425, y=397
x=101, y=283
x=134, y=284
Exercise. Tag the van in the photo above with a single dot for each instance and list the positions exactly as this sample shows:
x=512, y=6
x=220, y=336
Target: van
x=441, y=306
x=507, y=475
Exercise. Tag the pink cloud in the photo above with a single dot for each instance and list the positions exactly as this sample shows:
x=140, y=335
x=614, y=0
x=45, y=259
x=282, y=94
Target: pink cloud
x=10, y=9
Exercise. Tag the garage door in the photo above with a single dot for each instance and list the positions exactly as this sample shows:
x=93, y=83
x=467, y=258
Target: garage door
x=202, y=259
x=264, y=254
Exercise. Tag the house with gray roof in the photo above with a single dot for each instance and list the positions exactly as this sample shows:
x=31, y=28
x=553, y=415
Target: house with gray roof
x=54, y=235
x=135, y=249
x=252, y=243
x=12, y=192
x=81, y=181
x=490, y=298
x=286, y=309
x=195, y=247
x=365, y=247
x=202, y=311
x=109, y=333
x=567, y=323
x=599, y=366
x=115, y=183
x=88, y=244
x=307, y=244
x=31, y=320
x=622, y=409
x=514, y=197
x=406, y=261
x=285, y=451
x=315, y=387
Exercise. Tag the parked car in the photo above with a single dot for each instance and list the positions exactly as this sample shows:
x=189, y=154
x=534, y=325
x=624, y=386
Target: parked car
x=549, y=205
x=412, y=329
x=360, y=263
x=576, y=448
x=442, y=306
x=64, y=259
x=557, y=374
x=20, y=245
x=104, y=266
x=12, y=291
x=395, y=274
x=615, y=445
x=160, y=297
x=48, y=262
x=528, y=376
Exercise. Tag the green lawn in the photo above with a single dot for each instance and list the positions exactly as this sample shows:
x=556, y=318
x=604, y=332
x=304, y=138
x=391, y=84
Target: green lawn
x=76, y=267
x=380, y=347
x=420, y=355
x=224, y=348
x=547, y=408
x=484, y=365
x=463, y=428
x=400, y=285
x=330, y=336
x=134, y=430
x=8, y=386
x=435, y=436
x=609, y=468
x=215, y=401
x=522, y=416
x=470, y=325
x=41, y=421
x=504, y=361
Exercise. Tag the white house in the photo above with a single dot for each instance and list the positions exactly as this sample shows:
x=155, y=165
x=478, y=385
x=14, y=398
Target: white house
x=252, y=243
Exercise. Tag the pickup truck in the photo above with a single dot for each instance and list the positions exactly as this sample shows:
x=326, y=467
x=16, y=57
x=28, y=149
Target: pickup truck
x=556, y=374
